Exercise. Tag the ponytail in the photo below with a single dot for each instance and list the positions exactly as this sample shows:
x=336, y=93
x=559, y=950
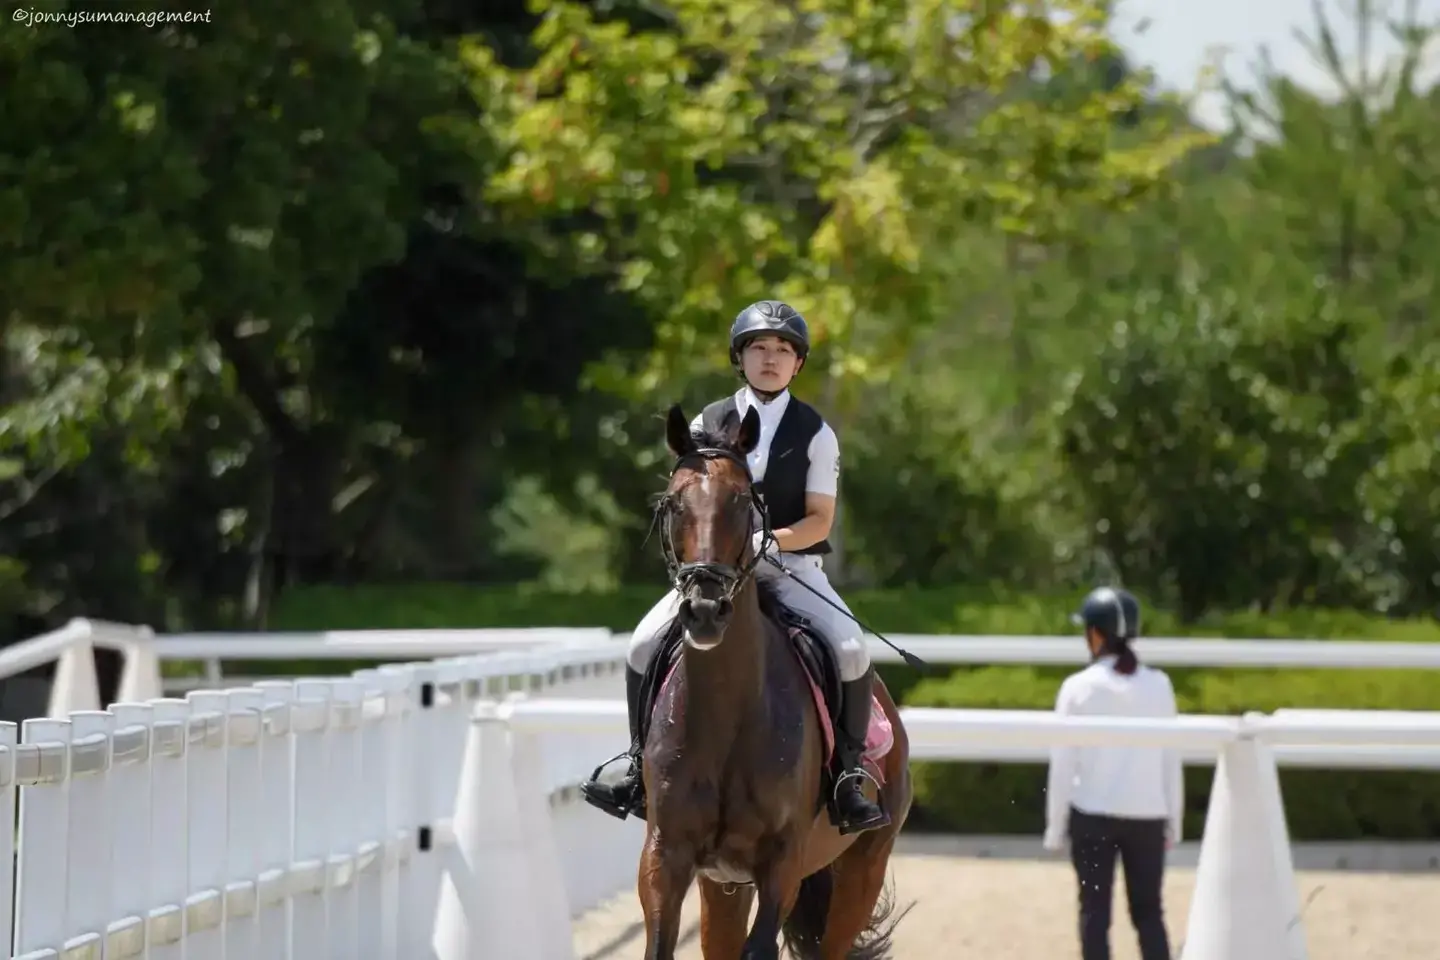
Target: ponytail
x=1125, y=660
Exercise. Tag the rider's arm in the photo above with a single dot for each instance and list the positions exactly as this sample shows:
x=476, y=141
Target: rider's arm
x=822, y=483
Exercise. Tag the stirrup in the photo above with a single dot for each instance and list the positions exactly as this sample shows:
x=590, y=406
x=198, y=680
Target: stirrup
x=602, y=795
x=622, y=755
x=845, y=826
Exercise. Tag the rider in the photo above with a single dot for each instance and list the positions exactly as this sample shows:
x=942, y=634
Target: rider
x=796, y=465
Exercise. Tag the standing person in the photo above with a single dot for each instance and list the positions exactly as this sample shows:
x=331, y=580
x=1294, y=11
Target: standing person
x=1111, y=802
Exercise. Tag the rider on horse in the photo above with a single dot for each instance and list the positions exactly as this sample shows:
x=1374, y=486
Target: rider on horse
x=796, y=465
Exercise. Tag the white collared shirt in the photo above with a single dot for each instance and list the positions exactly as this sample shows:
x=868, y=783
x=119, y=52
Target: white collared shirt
x=1135, y=782
x=823, y=453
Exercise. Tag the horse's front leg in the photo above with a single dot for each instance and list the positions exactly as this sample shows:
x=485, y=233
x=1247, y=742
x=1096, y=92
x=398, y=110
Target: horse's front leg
x=777, y=884
x=724, y=909
x=665, y=876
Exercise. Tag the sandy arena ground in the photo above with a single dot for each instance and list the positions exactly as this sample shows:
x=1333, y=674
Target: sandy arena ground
x=976, y=897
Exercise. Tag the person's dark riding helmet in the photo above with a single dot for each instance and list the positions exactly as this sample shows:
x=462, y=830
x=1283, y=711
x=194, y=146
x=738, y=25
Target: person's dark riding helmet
x=772, y=318
x=1114, y=612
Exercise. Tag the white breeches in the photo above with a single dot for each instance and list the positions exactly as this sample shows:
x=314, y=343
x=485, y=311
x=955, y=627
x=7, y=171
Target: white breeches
x=838, y=631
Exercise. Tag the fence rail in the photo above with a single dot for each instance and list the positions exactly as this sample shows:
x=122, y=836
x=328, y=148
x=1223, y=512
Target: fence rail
x=956, y=649
x=144, y=650
x=212, y=649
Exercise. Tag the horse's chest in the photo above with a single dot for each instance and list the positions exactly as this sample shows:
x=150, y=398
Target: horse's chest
x=729, y=802
x=733, y=823
x=738, y=806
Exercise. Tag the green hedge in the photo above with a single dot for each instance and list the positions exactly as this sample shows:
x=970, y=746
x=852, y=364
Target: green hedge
x=999, y=798
x=935, y=611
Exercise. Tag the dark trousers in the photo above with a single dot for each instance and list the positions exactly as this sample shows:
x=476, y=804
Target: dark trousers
x=1095, y=842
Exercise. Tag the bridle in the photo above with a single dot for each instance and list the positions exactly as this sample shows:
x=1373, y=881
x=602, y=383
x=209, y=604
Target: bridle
x=731, y=577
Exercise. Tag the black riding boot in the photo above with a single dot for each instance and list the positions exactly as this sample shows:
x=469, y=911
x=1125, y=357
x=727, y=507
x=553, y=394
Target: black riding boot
x=852, y=810
x=625, y=796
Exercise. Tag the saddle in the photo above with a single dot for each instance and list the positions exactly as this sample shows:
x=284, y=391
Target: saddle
x=816, y=661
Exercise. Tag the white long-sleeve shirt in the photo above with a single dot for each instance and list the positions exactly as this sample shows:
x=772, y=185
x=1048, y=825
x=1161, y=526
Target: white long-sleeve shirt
x=1136, y=782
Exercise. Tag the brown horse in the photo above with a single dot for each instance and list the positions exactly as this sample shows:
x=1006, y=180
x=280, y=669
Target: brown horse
x=734, y=760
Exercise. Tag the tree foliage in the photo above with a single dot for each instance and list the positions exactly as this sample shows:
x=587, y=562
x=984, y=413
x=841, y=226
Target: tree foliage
x=375, y=290
x=822, y=152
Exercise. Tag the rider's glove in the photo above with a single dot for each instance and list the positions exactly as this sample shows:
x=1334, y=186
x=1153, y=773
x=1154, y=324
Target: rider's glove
x=772, y=549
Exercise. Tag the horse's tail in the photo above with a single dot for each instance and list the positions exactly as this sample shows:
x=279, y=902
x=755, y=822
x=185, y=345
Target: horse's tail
x=805, y=927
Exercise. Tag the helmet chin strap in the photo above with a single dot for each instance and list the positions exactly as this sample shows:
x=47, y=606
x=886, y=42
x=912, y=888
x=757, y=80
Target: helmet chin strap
x=765, y=395
x=768, y=395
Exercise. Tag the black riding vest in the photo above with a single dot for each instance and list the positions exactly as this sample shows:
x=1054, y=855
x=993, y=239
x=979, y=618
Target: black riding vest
x=789, y=463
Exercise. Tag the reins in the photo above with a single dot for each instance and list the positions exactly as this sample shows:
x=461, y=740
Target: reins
x=730, y=577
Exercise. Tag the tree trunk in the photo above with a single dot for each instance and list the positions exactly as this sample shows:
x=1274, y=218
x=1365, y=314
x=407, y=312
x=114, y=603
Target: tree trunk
x=305, y=473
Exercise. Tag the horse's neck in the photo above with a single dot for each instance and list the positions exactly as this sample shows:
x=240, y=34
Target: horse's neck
x=725, y=686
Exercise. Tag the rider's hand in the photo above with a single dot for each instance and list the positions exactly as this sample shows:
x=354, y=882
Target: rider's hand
x=772, y=549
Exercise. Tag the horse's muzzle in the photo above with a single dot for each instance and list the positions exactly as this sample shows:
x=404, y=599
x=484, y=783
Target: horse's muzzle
x=705, y=620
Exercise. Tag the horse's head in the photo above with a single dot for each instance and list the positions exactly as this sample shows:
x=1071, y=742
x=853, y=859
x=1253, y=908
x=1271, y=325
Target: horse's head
x=707, y=522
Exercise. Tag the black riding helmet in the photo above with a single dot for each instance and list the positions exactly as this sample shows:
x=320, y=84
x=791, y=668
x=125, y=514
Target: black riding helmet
x=1114, y=612
x=769, y=318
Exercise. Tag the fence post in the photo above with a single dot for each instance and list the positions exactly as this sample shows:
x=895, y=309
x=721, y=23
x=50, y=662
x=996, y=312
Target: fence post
x=91, y=815
x=9, y=758
x=76, y=685
x=170, y=811
x=487, y=906
x=277, y=784
x=1245, y=905
x=140, y=678
x=529, y=763
x=43, y=773
x=130, y=803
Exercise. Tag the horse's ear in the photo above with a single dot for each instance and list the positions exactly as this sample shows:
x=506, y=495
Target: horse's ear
x=749, y=434
x=677, y=432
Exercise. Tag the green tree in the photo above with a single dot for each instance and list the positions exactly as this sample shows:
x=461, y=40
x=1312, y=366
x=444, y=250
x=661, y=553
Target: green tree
x=824, y=153
x=262, y=307
x=832, y=154
x=1219, y=460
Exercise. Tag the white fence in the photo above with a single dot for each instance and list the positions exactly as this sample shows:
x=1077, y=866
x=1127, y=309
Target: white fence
x=305, y=818
x=428, y=810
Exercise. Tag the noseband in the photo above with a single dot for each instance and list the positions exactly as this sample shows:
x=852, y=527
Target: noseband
x=730, y=576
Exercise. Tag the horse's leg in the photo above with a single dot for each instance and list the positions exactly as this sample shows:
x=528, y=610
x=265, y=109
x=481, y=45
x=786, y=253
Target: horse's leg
x=859, y=878
x=777, y=884
x=722, y=919
x=664, y=880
